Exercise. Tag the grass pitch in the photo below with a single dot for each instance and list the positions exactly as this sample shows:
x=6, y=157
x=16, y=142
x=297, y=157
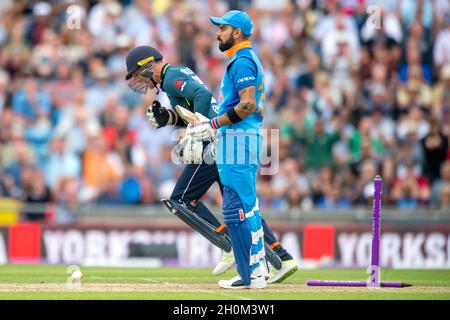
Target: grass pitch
x=50, y=282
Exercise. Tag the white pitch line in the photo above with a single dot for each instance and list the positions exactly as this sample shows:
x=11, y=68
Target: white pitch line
x=156, y=281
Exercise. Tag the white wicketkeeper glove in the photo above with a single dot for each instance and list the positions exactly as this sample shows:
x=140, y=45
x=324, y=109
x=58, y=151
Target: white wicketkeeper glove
x=189, y=151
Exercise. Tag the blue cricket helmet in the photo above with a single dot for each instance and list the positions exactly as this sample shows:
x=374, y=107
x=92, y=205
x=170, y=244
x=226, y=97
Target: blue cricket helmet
x=140, y=56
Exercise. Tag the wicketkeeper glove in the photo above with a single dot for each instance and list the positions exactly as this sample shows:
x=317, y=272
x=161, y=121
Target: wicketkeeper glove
x=160, y=116
x=189, y=151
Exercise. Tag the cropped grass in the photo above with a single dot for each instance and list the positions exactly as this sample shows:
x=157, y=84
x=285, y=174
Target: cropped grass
x=427, y=284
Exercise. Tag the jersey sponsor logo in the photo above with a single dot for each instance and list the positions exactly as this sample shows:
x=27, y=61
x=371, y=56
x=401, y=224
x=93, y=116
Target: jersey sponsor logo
x=244, y=79
x=182, y=87
x=179, y=84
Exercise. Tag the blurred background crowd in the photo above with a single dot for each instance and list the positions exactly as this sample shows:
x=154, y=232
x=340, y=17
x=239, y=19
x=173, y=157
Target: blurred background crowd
x=352, y=96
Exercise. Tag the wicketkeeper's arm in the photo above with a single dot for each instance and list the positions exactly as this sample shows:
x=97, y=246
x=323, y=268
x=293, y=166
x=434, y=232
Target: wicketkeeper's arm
x=180, y=122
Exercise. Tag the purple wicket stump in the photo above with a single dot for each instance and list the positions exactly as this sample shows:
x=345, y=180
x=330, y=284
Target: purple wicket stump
x=374, y=269
x=344, y=283
x=375, y=265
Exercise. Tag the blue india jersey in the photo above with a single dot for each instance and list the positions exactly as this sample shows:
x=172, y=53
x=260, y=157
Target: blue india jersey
x=244, y=69
x=238, y=148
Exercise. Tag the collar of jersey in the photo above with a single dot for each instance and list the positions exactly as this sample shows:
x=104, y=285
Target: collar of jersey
x=163, y=73
x=238, y=46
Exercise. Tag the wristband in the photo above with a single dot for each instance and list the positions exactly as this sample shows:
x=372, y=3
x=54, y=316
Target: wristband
x=214, y=123
x=173, y=117
x=233, y=116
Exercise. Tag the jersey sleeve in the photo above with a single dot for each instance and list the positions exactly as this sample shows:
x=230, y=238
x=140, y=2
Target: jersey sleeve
x=173, y=103
x=243, y=72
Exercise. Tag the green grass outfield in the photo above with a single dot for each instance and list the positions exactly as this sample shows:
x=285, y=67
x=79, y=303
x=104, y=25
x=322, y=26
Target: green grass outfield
x=49, y=282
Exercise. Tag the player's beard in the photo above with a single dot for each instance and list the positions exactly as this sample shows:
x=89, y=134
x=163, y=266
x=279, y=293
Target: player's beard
x=225, y=45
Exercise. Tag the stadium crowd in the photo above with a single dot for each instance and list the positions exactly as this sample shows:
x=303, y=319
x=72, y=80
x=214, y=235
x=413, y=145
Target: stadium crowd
x=352, y=96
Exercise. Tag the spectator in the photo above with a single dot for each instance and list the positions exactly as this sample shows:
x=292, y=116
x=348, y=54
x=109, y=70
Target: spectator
x=415, y=122
x=441, y=51
x=148, y=195
x=389, y=32
x=435, y=147
x=292, y=184
x=45, y=55
x=306, y=79
x=362, y=140
x=187, y=32
x=77, y=123
x=324, y=99
x=318, y=145
x=7, y=124
x=363, y=190
x=130, y=189
x=104, y=24
x=60, y=163
x=67, y=198
x=41, y=20
x=16, y=51
x=383, y=127
x=335, y=28
x=16, y=156
x=343, y=66
x=414, y=60
x=101, y=88
x=441, y=187
x=63, y=89
x=441, y=92
x=415, y=93
x=333, y=199
x=101, y=167
x=446, y=122
x=417, y=10
x=37, y=196
x=110, y=192
x=377, y=90
x=334, y=195
x=321, y=182
x=32, y=102
x=4, y=94
x=411, y=189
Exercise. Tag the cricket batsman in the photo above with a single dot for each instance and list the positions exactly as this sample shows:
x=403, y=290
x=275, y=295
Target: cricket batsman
x=146, y=69
x=241, y=112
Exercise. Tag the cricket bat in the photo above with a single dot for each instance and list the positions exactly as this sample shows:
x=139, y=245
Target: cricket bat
x=186, y=115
